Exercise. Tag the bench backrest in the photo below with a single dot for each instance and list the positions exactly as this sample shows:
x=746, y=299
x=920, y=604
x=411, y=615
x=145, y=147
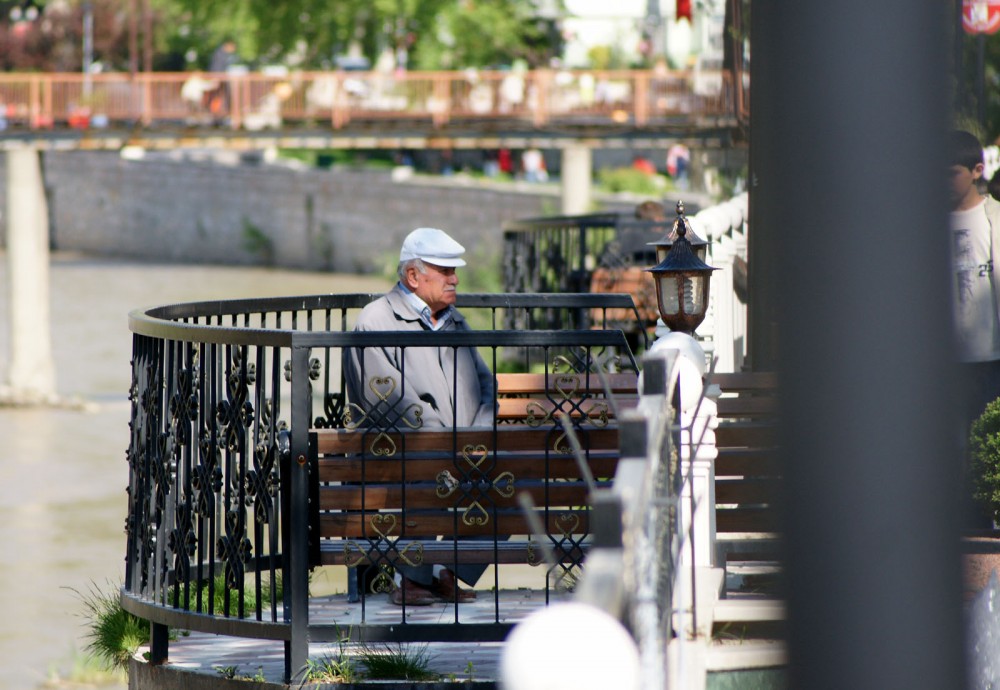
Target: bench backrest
x=746, y=472
x=385, y=495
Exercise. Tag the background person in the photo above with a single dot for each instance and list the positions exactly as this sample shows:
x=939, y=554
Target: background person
x=975, y=232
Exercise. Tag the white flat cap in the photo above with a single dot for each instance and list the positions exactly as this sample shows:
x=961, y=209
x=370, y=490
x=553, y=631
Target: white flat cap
x=433, y=246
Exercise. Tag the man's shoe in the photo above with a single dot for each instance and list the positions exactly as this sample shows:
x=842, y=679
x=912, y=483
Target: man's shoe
x=446, y=587
x=411, y=594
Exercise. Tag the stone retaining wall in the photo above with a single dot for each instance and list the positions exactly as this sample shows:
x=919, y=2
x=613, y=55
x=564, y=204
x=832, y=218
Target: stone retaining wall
x=340, y=220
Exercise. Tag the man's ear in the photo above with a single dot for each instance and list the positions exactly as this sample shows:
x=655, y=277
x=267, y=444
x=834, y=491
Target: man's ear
x=978, y=170
x=411, y=277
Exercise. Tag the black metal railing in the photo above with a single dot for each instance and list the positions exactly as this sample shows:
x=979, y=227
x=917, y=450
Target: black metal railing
x=594, y=252
x=227, y=397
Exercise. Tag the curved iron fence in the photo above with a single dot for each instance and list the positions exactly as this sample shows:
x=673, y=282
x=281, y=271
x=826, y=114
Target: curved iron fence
x=224, y=396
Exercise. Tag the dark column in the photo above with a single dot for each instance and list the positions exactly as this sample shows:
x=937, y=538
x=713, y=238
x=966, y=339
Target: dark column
x=850, y=157
x=763, y=234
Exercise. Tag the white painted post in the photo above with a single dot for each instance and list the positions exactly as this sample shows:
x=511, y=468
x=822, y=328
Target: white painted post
x=740, y=311
x=723, y=299
x=577, y=171
x=31, y=377
x=698, y=423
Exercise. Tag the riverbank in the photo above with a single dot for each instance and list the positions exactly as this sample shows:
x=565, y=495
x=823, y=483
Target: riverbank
x=64, y=474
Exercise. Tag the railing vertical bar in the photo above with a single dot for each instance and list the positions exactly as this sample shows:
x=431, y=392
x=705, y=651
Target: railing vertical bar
x=297, y=613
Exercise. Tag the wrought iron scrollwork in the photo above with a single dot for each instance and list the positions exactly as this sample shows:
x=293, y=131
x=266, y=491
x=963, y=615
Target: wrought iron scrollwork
x=383, y=415
x=184, y=402
x=236, y=414
x=383, y=551
x=234, y=548
x=206, y=479
x=182, y=541
x=262, y=482
x=474, y=486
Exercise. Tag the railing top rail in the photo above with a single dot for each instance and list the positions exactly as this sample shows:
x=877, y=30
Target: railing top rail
x=620, y=220
x=261, y=305
x=171, y=322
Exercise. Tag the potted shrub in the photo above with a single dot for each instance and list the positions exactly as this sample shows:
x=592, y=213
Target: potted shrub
x=984, y=458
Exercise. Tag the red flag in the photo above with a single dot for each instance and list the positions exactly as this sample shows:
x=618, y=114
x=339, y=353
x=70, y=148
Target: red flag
x=684, y=10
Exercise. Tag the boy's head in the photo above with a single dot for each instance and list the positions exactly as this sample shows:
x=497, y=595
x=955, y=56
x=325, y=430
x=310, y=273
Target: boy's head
x=965, y=169
x=965, y=150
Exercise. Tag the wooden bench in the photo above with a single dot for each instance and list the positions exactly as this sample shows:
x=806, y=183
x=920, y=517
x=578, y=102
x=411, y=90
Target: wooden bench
x=746, y=471
x=416, y=497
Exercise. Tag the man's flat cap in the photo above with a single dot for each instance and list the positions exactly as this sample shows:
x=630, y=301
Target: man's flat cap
x=433, y=246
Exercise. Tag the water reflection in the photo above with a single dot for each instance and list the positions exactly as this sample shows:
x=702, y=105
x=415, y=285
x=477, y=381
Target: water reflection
x=63, y=473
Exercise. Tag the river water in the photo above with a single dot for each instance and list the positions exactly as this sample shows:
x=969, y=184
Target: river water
x=63, y=472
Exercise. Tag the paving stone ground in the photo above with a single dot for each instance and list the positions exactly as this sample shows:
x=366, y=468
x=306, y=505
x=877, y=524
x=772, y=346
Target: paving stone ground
x=204, y=653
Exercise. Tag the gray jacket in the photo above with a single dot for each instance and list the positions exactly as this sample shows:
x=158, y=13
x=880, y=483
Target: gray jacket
x=427, y=396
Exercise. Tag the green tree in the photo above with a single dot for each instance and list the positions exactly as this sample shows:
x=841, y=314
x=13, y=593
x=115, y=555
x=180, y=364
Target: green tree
x=435, y=34
x=968, y=106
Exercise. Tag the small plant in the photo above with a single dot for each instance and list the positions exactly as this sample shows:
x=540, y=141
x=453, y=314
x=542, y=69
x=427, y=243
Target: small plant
x=227, y=672
x=232, y=673
x=338, y=668
x=984, y=457
x=115, y=634
x=389, y=662
x=470, y=671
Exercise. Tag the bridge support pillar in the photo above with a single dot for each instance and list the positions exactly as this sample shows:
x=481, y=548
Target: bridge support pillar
x=577, y=171
x=31, y=377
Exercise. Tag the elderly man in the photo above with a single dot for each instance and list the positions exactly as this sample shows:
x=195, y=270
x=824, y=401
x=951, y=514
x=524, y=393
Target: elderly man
x=428, y=387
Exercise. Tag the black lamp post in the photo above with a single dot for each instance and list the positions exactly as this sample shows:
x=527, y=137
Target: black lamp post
x=682, y=280
x=698, y=245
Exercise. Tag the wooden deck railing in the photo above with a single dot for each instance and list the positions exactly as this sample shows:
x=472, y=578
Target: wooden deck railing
x=256, y=101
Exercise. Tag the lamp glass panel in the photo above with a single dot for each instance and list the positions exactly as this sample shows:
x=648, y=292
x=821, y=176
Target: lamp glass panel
x=694, y=294
x=669, y=294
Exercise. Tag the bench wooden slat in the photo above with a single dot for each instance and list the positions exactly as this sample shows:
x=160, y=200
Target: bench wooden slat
x=745, y=435
x=745, y=491
x=747, y=407
x=747, y=381
x=564, y=385
x=522, y=466
x=746, y=462
x=509, y=437
x=430, y=524
x=745, y=520
x=523, y=408
x=424, y=495
x=339, y=552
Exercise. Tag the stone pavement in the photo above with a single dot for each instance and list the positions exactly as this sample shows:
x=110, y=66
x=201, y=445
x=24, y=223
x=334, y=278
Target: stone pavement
x=204, y=654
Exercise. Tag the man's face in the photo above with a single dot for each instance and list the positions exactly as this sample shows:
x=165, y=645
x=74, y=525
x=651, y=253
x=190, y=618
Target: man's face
x=436, y=287
x=962, y=181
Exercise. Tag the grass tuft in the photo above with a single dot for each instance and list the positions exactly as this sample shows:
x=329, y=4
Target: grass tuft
x=388, y=662
x=115, y=634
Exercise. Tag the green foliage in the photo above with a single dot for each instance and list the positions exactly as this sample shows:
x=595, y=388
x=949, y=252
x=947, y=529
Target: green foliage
x=310, y=34
x=616, y=180
x=114, y=634
x=219, y=595
x=967, y=104
x=257, y=242
x=984, y=446
x=397, y=662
